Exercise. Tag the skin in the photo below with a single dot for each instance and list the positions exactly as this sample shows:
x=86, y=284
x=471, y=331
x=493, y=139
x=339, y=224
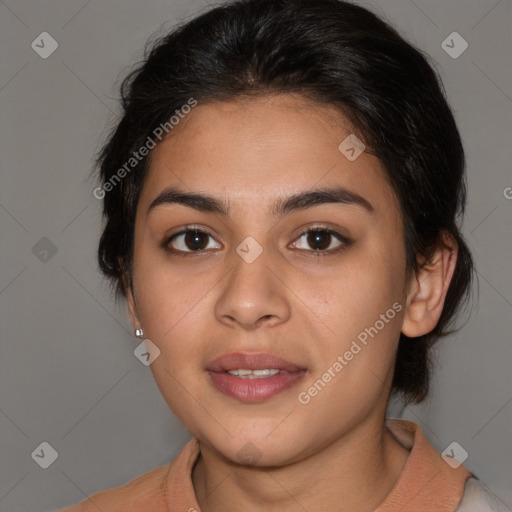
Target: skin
x=334, y=453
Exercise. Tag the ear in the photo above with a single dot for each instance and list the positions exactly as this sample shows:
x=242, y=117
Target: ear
x=132, y=309
x=428, y=289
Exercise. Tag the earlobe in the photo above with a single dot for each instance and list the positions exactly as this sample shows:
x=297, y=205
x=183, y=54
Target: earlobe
x=428, y=289
x=132, y=310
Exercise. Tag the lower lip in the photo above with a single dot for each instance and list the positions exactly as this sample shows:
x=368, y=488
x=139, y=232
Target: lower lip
x=254, y=390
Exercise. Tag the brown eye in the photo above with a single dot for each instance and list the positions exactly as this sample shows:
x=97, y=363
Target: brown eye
x=321, y=240
x=190, y=240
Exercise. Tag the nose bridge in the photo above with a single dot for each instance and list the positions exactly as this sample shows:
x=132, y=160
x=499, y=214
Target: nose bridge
x=251, y=291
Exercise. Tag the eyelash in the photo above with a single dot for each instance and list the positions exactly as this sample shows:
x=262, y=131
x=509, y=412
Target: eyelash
x=315, y=253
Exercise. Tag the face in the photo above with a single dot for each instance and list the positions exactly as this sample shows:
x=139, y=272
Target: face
x=252, y=280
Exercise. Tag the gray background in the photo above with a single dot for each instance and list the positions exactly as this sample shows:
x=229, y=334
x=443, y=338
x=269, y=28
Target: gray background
x=68, y=375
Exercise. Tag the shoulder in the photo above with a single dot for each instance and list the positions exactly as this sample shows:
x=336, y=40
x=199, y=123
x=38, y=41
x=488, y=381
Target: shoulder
x=478, y=499
x=144, y=493
x=149, y=492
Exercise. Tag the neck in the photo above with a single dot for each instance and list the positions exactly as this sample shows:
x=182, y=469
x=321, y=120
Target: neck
x=355, y=472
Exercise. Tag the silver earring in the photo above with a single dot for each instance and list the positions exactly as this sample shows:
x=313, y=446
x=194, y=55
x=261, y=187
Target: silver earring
x=139, y=333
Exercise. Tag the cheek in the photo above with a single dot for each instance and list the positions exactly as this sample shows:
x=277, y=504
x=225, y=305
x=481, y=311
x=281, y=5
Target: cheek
x=361, y=305
x=168, y=290
x=171, y=310
x=362, y=289
x=355, y=364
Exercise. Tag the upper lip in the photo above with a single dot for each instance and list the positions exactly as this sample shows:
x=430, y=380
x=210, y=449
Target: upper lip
x=251, y=361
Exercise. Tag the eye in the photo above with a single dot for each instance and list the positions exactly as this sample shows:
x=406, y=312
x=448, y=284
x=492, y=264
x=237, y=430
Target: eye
x=322, y=239
x=194, y=240
x=189, y=241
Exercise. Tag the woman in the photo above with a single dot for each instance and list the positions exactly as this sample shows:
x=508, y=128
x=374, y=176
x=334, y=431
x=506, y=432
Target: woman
x=282, y=197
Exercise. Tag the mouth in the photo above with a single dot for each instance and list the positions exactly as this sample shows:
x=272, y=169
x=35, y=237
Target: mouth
x=253, y=377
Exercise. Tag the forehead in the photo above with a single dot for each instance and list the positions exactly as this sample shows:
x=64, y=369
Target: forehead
x=263, y=148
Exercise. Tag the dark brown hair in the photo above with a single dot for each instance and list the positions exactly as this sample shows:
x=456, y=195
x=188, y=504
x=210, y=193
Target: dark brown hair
x=332, y=52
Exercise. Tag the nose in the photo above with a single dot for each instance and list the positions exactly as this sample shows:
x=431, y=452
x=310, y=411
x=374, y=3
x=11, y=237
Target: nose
x=253, y=295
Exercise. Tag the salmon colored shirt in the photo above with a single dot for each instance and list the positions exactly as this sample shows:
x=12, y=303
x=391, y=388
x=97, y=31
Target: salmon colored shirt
x=427, y=482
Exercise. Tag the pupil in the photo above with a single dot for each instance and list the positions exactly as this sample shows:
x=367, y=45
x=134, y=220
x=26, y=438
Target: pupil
x=193, y=240
x=317, y=237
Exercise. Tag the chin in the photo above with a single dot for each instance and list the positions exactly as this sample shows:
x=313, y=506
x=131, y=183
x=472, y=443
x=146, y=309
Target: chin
x=257, y=450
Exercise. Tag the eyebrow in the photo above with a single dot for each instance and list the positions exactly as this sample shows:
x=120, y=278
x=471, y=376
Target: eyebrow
x=282, y=206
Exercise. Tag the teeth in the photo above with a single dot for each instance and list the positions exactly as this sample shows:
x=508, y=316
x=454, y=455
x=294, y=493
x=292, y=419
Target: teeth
x=264, y=372
x=243, y=372
x=255, y=374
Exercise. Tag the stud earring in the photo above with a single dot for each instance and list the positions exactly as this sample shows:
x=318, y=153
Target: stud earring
x=139, y=333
